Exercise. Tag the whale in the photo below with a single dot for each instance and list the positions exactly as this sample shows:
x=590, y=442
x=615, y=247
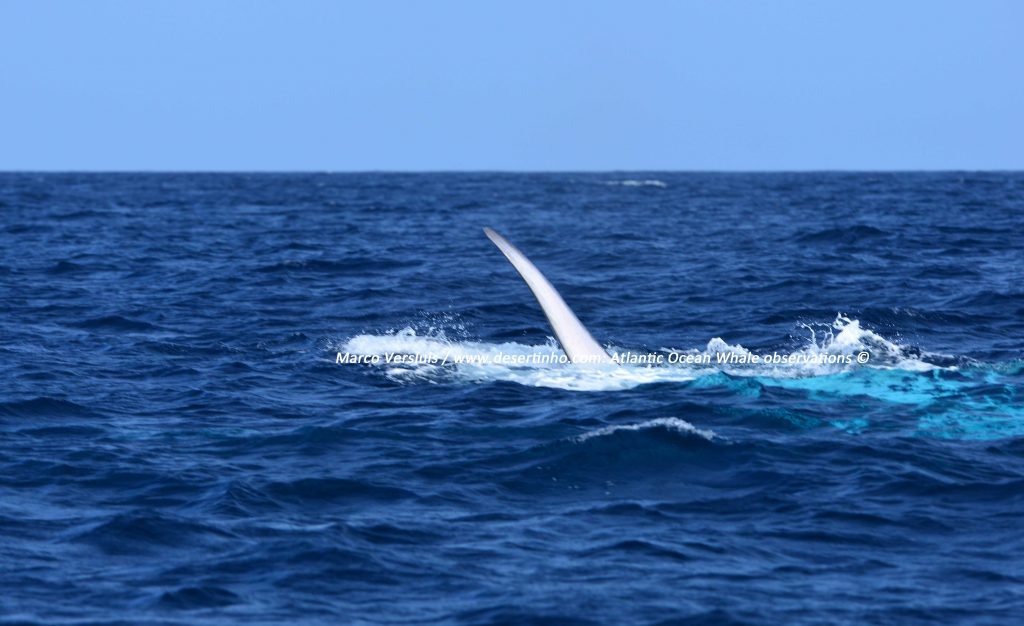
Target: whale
x=573, y=337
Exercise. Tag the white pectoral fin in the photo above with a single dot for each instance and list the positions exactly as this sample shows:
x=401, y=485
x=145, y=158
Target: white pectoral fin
x=576, y=341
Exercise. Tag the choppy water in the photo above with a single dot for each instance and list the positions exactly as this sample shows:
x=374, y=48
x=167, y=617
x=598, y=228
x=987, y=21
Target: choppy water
x=179, y=445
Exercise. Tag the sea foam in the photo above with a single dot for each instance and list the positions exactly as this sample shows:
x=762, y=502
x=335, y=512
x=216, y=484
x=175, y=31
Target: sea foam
x=437, y=358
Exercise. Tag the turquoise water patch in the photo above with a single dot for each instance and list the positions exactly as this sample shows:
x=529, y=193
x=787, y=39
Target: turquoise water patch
x=971, y=404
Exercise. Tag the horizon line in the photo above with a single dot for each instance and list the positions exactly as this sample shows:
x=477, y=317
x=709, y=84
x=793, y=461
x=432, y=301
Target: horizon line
x=517, y=171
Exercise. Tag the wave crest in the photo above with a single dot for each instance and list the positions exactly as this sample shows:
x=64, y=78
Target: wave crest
x=669, y=423
x=650, y=182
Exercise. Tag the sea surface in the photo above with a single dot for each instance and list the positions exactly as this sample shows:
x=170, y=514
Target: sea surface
x=180, y=445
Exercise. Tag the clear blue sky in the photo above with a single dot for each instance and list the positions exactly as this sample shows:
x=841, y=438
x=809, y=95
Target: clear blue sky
x=516, y=85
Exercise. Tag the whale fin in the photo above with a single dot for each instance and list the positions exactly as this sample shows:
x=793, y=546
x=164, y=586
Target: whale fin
x=576, y=341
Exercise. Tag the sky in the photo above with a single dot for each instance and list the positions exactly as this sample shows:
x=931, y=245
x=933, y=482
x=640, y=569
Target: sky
x=519, y=85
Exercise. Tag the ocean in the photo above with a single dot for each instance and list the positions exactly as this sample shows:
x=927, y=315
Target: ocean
x=329, y=399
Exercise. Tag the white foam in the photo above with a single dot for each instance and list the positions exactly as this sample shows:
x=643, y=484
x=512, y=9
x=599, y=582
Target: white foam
x=846, y=337
x=831, y=349
x=651, y=182
x=672, y=423
x=473, y=361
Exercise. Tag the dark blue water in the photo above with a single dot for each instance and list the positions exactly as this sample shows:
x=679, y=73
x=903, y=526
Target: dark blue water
x=178, y=444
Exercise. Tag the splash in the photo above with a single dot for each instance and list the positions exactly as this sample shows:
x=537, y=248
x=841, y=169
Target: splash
x=440, y=358
x=975, y=401
x=435, y=357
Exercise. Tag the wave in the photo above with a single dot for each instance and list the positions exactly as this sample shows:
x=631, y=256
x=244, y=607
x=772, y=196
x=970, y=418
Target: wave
x=203, y=597
x=115, y=322
x=650, y=182
x=598, y=458
x=44, y=406
x=854, y=233
x=145, y=532
x=668, y=423
x=352, y=265
x=66, y=267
